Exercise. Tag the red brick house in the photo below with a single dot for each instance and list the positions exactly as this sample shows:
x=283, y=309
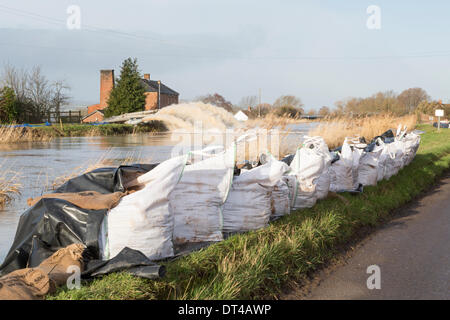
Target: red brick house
x=157, y=95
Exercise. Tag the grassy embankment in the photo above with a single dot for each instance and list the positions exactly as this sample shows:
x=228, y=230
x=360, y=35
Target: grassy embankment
x=47, y=133
x=259, y=264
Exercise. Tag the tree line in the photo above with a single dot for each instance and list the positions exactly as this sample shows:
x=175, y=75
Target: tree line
x=409, y=101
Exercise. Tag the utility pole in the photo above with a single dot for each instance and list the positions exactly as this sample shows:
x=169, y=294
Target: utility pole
x=259, y=104
x=159, y=94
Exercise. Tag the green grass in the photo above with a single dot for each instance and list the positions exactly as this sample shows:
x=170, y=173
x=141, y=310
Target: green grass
x=76, y=130
x=259, y=264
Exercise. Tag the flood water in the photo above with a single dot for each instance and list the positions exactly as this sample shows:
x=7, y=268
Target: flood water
x=40, y=163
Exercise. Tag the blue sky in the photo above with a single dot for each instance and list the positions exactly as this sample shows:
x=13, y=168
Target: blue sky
x=320, y=51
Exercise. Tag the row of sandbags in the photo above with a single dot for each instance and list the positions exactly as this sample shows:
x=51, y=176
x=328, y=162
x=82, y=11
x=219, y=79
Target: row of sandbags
x=200, y=197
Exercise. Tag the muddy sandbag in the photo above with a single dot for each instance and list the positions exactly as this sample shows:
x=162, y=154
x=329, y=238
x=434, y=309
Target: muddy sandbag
x=281, y=201
x=35, y=283
x=248, y=206
x=142, y=220
x=58, y=264
x=26, y=284
x=91, y=200
x=197, y=200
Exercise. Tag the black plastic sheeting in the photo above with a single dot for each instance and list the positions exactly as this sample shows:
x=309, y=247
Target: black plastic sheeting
x=52, y=224
x=105, y=180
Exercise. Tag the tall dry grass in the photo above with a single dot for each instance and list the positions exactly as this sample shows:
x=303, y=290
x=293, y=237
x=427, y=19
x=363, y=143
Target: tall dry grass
x=335, y=131
x=9, y=185
x=11, y=134
x=271, y=121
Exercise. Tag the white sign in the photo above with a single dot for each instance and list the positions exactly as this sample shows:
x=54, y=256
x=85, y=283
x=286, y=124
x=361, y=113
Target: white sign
x=439, y=113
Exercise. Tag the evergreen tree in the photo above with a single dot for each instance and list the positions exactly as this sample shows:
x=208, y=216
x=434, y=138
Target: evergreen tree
x=128, y=93
x=8, y=105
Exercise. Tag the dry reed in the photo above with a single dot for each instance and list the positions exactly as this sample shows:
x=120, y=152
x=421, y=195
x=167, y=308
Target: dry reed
x=9, y=185
x=335, y=131
x=11, y=134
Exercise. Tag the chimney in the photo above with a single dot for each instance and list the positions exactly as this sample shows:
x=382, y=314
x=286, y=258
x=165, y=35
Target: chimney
x=106, y=85
x=147, y=76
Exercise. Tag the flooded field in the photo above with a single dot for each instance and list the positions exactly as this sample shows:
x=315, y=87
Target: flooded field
x=41, y=163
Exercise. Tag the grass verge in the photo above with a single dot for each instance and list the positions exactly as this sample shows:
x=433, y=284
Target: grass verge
x=258, y=264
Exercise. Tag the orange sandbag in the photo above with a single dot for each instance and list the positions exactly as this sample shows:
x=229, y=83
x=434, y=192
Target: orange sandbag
x=35, y=283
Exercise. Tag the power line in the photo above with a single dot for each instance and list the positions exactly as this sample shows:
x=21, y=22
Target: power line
x=234, y=55
x=91, y=28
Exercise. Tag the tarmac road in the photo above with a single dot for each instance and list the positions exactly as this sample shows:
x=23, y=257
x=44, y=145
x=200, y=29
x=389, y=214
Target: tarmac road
x=412, y=251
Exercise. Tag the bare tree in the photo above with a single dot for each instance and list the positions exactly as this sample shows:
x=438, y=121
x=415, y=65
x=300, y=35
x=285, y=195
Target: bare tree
x=35, y=95
x=248, y=101
x=288, y=100
x=59, y=96
x=324, y=111
x=217, y=100
x=39, y=90
x=411, y=98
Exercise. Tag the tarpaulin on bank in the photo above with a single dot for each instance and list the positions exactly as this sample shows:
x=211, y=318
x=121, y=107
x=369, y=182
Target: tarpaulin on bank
x=53, y=223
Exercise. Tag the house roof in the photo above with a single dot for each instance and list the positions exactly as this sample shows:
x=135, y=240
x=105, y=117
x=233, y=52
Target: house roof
x=90, y=114
x=152, y=86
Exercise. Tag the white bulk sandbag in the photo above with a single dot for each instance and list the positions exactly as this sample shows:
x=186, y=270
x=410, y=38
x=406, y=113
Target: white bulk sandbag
x=196, y=202
x=368, y=168
x=281, y=203
x=412, y=142
x=394, y=160
x=142, y=220
x=341, y=171
x=384, y=154
x=323, y=183
x=309, y=163
x=248, y=206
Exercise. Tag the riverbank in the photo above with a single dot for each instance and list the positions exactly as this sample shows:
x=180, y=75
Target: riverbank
x=46, y=133
x=259, y=264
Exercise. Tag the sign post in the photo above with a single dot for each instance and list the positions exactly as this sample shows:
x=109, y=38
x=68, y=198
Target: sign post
x=439, y=113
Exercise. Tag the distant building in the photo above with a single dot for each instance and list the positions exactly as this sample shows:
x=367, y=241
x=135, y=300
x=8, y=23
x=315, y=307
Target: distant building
x=94, y=116
x=157, y=95
x=241, y=116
